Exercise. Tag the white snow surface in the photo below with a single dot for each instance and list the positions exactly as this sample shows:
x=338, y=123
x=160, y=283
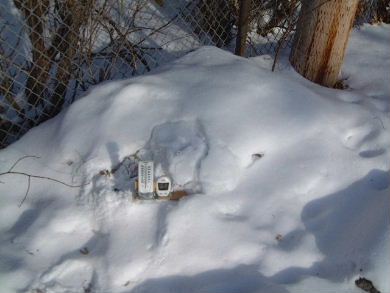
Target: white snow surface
x=288, y=181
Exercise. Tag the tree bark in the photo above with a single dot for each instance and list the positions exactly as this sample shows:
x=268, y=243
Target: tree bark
x=321, y=39
x=34, y=13
x=73, y=14
x=243, y=24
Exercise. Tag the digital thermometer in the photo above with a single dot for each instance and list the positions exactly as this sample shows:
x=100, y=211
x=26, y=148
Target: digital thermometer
x=145, y=177
x=163, y=186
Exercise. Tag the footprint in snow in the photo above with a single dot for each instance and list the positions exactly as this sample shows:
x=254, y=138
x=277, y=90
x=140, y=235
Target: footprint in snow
x=365, y=139
x=69, y=275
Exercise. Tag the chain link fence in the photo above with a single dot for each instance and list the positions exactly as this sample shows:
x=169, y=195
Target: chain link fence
x=52, y=51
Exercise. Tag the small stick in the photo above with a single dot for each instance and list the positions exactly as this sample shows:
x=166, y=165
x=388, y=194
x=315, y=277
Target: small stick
x=29, y=176
x=43, y=177
x=28, y=189
x=20, y=159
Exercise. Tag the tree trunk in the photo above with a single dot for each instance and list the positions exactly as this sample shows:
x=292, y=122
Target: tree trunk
x=34, y=14
x=243, y=24
x=321, y=39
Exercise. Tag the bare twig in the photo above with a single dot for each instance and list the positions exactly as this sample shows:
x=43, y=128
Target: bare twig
x=281, y=42
x=20, y=159
x=29, y=176
x=42, y=177
x=28, y=189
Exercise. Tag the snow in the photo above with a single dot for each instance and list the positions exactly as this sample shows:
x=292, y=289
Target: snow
x=288, y=181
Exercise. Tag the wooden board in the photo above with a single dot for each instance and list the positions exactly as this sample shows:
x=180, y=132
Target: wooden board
x=175, y=195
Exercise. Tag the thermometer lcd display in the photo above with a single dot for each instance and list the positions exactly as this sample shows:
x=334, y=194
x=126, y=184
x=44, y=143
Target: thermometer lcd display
x=163, y=186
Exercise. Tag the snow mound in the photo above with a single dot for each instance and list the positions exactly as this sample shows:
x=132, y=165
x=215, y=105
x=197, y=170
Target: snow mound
x=288, y=181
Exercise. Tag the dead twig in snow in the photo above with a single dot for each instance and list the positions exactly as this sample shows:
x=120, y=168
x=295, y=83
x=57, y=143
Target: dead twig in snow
x=20, y=159
x=29, y=176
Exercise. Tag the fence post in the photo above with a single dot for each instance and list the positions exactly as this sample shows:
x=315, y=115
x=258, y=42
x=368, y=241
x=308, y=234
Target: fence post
x=243, y=25
x=321, y=39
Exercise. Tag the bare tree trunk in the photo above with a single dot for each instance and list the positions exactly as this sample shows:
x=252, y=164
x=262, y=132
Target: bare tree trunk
x=321, y=39
x=243, y=24
x=73, y=14
x=34, y=14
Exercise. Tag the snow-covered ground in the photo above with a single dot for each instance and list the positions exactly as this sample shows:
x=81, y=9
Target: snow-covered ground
x=288, y=181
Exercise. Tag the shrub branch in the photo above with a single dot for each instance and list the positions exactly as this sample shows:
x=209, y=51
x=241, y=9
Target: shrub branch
x=29, y=176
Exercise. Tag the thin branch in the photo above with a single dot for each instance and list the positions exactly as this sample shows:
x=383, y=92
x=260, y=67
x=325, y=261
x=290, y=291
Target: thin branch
x=29, y=176
x=42, y=177
x=20, y=159
x=158, y=30
x=28, y=189
x=281, y=42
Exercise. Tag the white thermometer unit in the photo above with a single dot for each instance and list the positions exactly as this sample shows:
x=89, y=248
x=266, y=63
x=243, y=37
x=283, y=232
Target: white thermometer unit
x=164, y=186
x=145, y=177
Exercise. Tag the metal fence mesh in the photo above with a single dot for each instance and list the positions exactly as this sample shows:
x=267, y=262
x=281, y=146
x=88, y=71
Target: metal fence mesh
x=52, y=51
